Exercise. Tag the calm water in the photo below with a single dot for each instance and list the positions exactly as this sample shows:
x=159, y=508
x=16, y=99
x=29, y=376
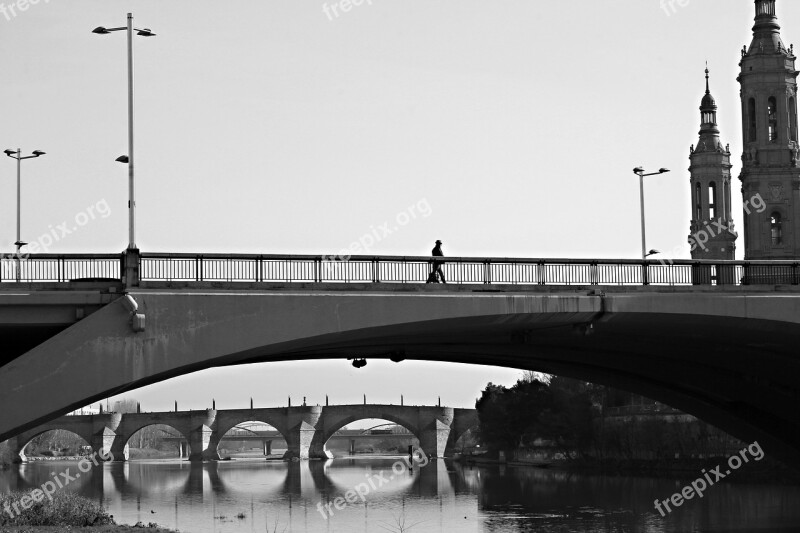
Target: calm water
x=256, y=495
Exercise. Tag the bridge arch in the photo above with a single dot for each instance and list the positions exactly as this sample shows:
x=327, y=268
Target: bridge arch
x=226, y=424
x=26, y=439
x=183, y=449
x=334, y=426
x=131, y=424
x=724, y=354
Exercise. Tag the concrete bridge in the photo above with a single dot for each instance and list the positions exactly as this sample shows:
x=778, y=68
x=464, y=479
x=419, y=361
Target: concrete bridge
x=306, y=429
x=717, y=340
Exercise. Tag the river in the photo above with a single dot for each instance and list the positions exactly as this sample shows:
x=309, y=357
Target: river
x=310, y=496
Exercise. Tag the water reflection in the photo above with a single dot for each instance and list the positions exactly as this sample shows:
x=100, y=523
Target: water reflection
x=250, y=495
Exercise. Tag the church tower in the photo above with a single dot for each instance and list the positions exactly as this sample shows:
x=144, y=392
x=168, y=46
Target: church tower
x=770, y=175
x=712, y=234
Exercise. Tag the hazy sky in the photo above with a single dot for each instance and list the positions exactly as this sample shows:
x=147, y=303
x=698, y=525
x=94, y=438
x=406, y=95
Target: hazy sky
x=268, y=126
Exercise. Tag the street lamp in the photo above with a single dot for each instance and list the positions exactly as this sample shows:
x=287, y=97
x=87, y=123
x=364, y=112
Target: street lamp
x=17, y=154
x=639, y=171
x=129, y=159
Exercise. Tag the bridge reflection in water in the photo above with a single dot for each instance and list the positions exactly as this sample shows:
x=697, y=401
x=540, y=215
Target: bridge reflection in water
x=442, y=496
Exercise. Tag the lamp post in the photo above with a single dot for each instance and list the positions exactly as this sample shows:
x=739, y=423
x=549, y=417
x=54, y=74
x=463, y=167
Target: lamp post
x=639, y=171
x=129, y=158
x=17, y=154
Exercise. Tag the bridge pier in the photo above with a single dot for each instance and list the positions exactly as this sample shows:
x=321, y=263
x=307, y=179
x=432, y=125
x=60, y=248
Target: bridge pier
x=203, y=440
x=183, y=450
x=17, y=450
x=301, y=444
x=267, y=447
x=433, y=439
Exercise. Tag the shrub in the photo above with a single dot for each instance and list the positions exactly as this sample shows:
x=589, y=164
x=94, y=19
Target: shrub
x=65, y=509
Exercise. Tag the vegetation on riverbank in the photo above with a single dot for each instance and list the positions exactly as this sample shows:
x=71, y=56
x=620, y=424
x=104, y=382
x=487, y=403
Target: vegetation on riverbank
x=65, y=512
x=586, y=427
x=65, y=509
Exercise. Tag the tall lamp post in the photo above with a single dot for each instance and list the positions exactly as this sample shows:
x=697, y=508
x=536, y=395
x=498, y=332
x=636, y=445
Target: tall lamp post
x=639, y=171
x=17, y=154
x=129, y=158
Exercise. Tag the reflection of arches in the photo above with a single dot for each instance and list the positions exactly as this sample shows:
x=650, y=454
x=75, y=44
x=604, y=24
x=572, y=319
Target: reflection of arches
x=138, y=478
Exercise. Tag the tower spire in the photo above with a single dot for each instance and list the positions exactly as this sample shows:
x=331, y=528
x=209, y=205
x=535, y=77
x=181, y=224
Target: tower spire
x=711, y=188
x=766, y=31
x=709, y=133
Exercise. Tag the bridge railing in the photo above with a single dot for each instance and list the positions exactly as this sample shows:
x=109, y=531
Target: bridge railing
x=60, y=267
x=395, y=269
x=461, y=270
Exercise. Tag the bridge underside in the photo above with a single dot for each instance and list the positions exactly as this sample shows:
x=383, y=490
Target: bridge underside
x=729, y=359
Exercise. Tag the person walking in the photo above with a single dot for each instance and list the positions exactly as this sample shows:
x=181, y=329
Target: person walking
x=436, y=266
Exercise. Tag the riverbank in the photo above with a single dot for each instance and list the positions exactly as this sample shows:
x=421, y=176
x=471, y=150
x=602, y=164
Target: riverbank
x=758, y=472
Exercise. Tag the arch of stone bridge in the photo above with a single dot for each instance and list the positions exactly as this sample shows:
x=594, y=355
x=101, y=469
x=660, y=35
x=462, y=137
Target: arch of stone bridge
x=464, y=420
x=227, y=420
x=127, y=430
x=80, y=430
x=333, y=422
x=726, y=356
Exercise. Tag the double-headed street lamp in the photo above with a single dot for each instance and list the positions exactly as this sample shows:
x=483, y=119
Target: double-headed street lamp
x=17, y=154
x=129, y=158
x=639, y=171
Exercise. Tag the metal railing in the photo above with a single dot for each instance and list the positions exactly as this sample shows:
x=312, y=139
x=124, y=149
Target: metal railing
x=243, y=268
x=60, y=268
x=461, y=270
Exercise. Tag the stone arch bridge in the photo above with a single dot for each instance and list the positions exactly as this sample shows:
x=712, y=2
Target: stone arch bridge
x=306, y=429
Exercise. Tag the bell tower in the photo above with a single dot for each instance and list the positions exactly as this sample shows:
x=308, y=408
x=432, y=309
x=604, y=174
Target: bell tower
x=770, y=175
x=712, y=233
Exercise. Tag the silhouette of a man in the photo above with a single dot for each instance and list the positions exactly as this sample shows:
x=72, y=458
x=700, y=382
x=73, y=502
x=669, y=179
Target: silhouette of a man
x=437, y=265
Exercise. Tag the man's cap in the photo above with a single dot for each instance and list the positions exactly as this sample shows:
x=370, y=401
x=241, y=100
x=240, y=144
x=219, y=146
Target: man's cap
x=438, y=242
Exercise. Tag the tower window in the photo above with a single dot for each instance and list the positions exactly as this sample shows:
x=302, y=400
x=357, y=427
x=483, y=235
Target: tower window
x=765, y=7
x=698, y=204
x=776, y=229
x=712, y=201
x=793, y=118
x=772, y=117
x=726, y=201
x=751, y=120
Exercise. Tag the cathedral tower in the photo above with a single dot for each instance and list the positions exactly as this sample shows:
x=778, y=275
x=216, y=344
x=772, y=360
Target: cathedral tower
x=712, y=234
x=770, y=174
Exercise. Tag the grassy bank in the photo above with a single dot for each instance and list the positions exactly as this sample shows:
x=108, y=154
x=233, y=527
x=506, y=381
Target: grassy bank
x=69, y=529
x=65, y=509
x=66, y=512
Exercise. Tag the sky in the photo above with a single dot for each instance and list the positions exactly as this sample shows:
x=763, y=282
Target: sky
x=505, y=129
